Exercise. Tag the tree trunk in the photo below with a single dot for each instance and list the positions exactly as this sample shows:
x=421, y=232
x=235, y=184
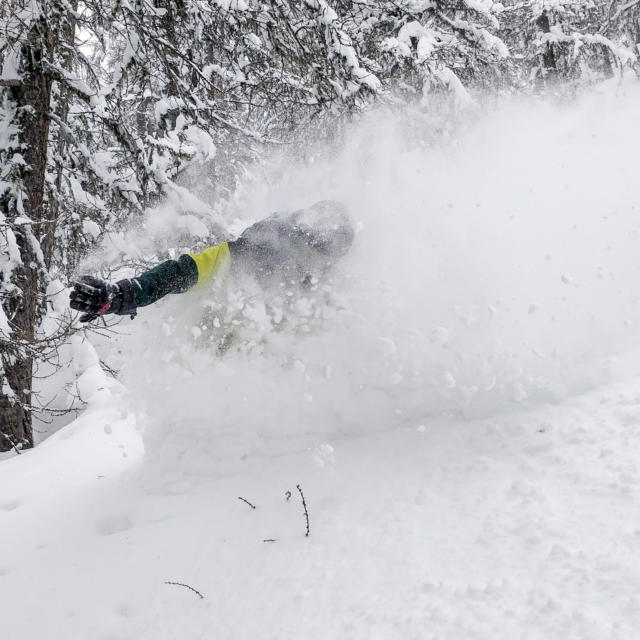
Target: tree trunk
x=33, y=97
x=48, y=230
x=548, y=57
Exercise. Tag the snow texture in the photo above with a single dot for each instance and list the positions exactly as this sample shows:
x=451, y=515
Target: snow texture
x=459, y=403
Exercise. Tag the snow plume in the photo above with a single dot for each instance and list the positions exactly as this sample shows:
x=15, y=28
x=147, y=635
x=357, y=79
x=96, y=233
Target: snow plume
x=495, y=267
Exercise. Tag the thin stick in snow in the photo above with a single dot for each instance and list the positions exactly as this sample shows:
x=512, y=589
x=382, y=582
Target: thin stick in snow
x=306, y=512
x=186, y=586
x=245, y=500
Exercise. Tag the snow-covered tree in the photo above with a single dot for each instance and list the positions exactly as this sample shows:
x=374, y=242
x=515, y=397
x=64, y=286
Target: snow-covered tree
x=427, y=46
x=621, y=24
x=28, y=40
x=560, y=41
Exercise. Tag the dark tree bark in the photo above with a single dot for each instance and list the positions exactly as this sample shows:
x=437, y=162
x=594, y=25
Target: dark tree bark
x=548, y=57
x=33, y=96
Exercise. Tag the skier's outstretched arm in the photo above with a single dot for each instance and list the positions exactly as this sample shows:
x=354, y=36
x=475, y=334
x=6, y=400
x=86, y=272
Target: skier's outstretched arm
x=95, y=297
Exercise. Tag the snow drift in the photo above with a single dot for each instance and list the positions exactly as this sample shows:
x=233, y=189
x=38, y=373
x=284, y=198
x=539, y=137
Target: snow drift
x=492, y=267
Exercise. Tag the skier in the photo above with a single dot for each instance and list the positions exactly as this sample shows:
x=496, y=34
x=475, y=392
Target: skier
x=285, y=247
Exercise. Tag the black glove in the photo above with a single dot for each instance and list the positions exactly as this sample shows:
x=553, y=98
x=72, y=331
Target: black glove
x=96, y=297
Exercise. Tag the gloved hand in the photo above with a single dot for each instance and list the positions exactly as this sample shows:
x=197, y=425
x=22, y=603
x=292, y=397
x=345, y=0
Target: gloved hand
x=95, y=297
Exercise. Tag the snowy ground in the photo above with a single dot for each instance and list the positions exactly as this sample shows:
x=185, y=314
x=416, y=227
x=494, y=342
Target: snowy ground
x=521, y=526
x=460, y=406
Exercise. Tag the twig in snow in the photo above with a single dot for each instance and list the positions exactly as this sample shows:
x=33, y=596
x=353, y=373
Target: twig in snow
x=245, y=500
x=269, y=540
x=186, y=586
x=306, y=512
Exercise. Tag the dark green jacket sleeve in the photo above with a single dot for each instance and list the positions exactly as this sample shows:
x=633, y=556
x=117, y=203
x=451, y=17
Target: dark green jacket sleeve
x=172, y=276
